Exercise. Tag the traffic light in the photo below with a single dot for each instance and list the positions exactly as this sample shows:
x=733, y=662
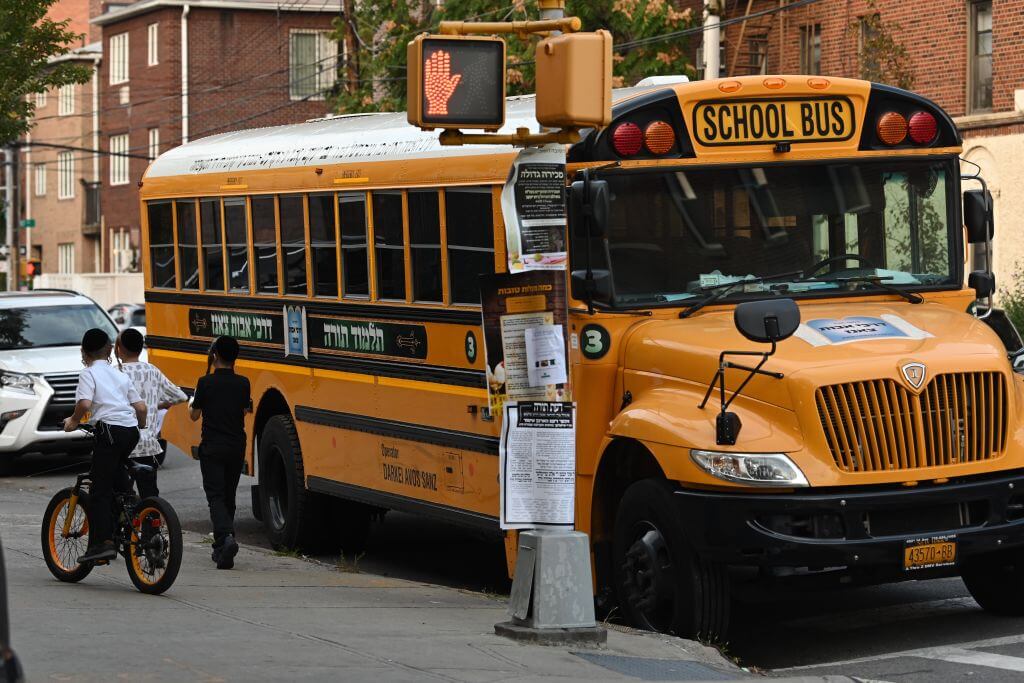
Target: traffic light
x=33, y=267
x=457, y=82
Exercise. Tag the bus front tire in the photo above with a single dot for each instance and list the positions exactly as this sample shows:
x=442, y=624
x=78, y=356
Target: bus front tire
x=293, y=516
x=996, y=582
x=661, y=583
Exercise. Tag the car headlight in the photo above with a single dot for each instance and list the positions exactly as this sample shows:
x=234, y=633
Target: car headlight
x=756, y=469
x=17, y=381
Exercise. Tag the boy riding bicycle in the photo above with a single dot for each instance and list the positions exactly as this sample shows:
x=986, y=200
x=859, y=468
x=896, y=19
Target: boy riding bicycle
x=117, y=411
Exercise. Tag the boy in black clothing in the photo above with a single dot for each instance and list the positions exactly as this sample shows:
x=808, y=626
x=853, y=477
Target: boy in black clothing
x=222, y=400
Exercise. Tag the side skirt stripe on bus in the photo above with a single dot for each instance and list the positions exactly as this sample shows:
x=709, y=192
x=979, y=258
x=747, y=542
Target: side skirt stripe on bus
x=399, y=430
x=393, y=501
x=320, y=307
x=389, y=368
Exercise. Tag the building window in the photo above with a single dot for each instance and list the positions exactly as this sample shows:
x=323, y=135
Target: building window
x=66, y=258
x=981, y=56
x=313, y=64
x=810, y=49
x=66, y=100
x=40, y=180
x=40, y=99
x=470, y=227
x=154, y=143
x=118, y=160
x=153, y=51
x=65, y=175
x=119, y=59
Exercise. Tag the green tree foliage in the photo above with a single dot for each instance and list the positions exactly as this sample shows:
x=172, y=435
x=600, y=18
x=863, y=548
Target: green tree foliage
x=881, y=57
x=373, y=79
x=27, y=41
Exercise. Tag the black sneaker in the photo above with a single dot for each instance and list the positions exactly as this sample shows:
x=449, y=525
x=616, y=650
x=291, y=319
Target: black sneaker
x=98, y=553
x=228, y=550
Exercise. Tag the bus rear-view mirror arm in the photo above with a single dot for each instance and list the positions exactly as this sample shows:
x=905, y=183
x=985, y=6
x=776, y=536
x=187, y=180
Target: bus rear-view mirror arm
x=979, y=221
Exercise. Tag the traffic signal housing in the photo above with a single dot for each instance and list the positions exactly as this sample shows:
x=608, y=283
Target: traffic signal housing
x=456, y=82
x=574, y=80
x=33, y=267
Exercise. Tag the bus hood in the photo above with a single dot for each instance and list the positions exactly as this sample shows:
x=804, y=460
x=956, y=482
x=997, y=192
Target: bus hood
x=836, y=342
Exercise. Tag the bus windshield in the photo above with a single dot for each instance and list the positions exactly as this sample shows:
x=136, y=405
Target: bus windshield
x=678, y=234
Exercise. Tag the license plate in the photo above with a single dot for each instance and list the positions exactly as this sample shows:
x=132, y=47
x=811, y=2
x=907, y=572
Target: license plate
x=927, y=553
x=746, y=122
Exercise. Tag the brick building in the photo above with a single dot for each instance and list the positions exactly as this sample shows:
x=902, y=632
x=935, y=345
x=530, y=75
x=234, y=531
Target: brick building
x=967, y=55
x=246, y=64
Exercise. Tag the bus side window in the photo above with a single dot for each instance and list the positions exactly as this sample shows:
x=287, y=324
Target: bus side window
x=293, y=244
x=264, y=240
x=425, y=245
x=354, y=255
x=161, y=244
x=389, y=243
x=188, y=253
x=470, y=230
x=237, y=243
x=213, y=247
x=324, y=244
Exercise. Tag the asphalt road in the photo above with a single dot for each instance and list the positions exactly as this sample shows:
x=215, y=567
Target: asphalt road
x=907, y=632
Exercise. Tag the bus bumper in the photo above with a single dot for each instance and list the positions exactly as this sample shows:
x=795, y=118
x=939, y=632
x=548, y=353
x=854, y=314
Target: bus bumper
x=855, y=528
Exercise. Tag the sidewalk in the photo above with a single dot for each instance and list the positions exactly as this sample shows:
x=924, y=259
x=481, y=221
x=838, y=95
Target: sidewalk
x=281, y=618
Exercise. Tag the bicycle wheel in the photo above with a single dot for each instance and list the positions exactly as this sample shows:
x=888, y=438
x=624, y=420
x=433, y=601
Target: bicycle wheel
x=61, y=549
x=154, y=554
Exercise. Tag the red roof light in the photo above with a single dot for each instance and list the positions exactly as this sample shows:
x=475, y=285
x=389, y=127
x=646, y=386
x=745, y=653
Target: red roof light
x=923, y=128
x=627, y=139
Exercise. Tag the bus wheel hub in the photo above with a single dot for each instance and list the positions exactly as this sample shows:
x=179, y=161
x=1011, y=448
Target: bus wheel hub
x=647, y=568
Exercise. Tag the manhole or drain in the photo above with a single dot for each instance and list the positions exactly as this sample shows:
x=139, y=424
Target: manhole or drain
x=656, y=669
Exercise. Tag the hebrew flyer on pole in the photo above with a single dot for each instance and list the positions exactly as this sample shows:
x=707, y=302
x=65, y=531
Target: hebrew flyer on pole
x=538, y=465
x=524, y=320
x=533, y=204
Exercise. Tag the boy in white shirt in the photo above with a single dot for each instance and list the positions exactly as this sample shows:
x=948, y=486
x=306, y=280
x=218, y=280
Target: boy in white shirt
x=157, y=392
x=117, y=411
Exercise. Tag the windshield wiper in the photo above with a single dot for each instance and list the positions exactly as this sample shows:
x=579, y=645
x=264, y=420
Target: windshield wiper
x=881, y=283
x=719, y=291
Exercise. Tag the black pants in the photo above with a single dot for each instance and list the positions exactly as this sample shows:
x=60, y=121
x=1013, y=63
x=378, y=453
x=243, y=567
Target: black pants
x=146, y=482
x=220, y=480
x=109, y=455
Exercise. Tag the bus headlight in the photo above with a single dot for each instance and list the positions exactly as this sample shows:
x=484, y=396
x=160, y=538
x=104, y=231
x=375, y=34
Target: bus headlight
x=16, y=381
x=757, y=469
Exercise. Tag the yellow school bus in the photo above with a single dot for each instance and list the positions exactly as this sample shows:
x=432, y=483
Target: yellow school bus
x=881, y=439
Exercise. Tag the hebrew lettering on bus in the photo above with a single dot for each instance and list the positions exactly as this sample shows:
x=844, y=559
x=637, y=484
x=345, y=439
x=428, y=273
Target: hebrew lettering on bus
x=267, y=328
x=369, y=337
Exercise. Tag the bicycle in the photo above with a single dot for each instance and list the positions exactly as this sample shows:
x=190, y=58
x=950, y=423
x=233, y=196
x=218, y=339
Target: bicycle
x=147, y=534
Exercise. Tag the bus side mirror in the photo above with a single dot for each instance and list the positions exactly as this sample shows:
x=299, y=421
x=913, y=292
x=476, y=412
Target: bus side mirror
x=983, y=283
x=589, y=199
x=978, y=216
x=601, y=290
x=767, y=322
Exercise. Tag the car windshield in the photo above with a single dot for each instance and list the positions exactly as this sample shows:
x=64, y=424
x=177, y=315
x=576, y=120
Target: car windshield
x=676, y=235
x=26, y=328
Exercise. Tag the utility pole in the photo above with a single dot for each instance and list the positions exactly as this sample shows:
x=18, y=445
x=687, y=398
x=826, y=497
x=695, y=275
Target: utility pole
x=712, y=39
x=348, y=11
x=552, y=9
x=10, y=208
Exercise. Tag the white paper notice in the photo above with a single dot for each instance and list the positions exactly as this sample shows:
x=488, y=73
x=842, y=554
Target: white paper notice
x=513, y=342
x=538, y=465
x=545, y=355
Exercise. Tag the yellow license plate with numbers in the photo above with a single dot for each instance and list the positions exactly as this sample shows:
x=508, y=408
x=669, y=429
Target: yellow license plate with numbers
x=929, y=553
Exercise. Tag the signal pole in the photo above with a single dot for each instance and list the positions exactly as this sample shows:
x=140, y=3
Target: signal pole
x=552, y=9
x=10, y=209
x=712, y=39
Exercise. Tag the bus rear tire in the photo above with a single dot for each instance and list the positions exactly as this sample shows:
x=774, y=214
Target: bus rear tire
x=294, y=517
x=996, y=582
x=661, y=583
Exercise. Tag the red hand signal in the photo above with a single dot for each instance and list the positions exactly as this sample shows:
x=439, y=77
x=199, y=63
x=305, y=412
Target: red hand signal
x=439, y=84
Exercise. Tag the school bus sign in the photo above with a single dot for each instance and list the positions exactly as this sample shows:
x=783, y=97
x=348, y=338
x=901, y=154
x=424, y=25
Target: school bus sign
x=457, y=82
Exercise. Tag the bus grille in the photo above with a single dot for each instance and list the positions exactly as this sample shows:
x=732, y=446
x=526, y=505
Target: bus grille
x=879, y=425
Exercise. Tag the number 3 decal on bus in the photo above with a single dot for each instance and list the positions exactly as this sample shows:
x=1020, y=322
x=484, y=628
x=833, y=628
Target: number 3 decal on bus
x=595, y=341
x=471, y=347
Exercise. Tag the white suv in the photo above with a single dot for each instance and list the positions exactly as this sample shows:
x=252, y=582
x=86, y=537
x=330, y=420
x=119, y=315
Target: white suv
x=40, y=358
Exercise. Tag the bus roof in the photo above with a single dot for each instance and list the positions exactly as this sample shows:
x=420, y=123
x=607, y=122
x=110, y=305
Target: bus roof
x=335, y=140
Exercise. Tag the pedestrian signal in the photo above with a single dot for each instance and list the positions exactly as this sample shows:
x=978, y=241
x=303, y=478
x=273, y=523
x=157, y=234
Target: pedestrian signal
x=456, y=82
x=33, y=268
